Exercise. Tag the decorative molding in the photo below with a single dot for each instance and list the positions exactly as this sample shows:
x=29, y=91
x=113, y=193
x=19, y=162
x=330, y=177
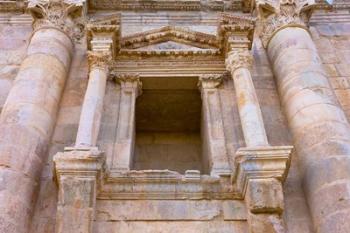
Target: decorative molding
x=209, y=81
x=235, y=31
x=67, y=16
x=172, y=5
x=260, y=163
x=165, y=184
x=98, y=59
x=239, y=59
x=276, y=15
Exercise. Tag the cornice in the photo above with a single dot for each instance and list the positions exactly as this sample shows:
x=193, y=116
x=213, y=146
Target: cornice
x=173, y=5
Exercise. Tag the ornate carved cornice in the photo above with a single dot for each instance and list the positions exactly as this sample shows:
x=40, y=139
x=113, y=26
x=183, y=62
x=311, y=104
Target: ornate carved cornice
x=238, y=59
x=278, y=14
x=104, y=34
x=235, y=31
x=209, y=81
x=64, y=15
x=98, y=59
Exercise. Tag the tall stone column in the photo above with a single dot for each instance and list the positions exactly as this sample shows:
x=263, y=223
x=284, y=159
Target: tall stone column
x=79, y=170
x=90, y=117
x=259, y=169
x=239, y=63
x=131, y=88
x=320, y=129
x=28, y=117
x=212, y=126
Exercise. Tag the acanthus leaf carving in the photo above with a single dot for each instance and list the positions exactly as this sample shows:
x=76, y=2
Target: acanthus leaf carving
x=238, y=59
x=99, y=59
x=67, y=16
x=278, y=14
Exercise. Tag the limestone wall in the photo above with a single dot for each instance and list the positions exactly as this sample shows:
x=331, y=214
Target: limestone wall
x=333, y=42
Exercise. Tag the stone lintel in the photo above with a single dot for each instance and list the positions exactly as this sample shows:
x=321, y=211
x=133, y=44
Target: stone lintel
x=82, y=161
x=260, y=163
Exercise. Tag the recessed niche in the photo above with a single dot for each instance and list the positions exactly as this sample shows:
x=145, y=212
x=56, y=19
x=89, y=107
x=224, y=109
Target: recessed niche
x=168, y=121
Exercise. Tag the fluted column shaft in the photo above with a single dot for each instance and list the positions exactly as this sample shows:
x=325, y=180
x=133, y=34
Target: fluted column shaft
x=26, y=124
x=90, y=117
x=320, y=129
x=239, y=64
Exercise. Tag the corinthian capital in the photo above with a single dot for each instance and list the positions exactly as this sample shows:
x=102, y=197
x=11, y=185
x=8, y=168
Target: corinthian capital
x=275, y=15
x=66, y=15
x=129, y=81
x=99, y=59
x=209, y=81
x=239, y=59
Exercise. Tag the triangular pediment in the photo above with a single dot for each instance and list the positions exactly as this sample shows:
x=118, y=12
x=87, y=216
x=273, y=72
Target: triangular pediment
x=168, y=37
x=169, y=45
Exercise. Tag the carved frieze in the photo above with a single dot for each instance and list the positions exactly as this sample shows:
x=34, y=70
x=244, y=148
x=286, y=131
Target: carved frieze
x=67, y=16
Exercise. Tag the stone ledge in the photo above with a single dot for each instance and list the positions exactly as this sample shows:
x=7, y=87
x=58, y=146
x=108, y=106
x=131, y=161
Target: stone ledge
x=79, y=162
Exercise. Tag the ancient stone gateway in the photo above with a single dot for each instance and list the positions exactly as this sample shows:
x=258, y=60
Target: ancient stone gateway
x=172, y=116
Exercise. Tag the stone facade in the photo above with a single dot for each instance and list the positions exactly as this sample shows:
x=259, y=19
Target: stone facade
x=174, y=116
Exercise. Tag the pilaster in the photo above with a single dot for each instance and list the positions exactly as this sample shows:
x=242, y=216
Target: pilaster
x=214, y=145
x=130, y=89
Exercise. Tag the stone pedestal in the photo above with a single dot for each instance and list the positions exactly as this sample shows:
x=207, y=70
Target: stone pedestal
x=78, y=173
x=259, y=175
x=214, y=145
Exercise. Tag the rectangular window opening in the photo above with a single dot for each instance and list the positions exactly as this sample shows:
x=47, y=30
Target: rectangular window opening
x=168, y=125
